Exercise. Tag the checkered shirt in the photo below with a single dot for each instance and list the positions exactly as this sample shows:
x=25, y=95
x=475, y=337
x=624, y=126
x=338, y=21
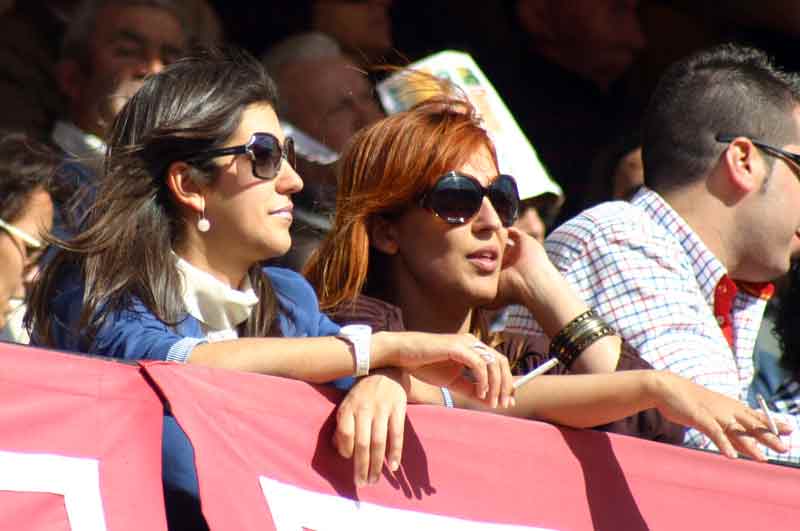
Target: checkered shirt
x=642, y=268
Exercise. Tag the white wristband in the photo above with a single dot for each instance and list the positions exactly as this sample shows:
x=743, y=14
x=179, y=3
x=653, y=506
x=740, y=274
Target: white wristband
x=360, y=337
x=447, y=397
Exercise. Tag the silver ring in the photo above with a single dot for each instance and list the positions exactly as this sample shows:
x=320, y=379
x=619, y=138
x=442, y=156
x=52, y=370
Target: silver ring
x=484, y=352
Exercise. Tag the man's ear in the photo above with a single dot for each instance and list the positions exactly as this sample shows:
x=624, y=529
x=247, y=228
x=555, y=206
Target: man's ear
x=186, y=191
x=383, y=235
x=70, y=78
x=746, y=167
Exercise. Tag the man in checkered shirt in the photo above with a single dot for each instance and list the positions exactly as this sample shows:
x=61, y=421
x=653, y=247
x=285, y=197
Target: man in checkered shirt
x=682, y=271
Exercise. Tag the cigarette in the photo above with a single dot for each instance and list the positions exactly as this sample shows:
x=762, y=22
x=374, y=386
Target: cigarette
x=761, y=402
x=541, y=369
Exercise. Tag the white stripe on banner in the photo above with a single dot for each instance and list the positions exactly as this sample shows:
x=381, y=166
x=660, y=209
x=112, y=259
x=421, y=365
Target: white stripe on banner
x=75, y=478
x=295, y=509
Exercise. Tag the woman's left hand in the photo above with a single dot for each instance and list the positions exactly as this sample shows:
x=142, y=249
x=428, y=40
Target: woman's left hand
x=731, y=425
x=370, y=422
x=525, y=264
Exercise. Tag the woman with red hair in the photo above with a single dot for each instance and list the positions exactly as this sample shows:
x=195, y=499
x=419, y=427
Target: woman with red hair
x=423, y=241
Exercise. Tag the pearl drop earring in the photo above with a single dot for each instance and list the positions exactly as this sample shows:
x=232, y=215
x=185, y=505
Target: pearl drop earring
x=203, y=225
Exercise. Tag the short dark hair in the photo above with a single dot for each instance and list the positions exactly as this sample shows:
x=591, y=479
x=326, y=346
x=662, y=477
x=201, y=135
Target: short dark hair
x=76, y=43
x=26, y=166
x=728, y=89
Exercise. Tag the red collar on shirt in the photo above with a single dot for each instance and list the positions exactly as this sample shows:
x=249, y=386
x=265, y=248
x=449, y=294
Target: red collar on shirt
x=725, y=293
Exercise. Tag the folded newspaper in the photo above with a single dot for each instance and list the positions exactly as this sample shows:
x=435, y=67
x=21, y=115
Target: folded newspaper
x=515, y=154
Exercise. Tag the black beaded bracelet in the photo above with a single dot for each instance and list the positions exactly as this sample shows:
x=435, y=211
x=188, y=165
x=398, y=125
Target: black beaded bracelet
x=578, y=335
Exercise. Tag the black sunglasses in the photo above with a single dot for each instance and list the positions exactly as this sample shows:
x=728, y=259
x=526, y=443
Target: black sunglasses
x=456, y=197
x=264, y=150
x=772, y=150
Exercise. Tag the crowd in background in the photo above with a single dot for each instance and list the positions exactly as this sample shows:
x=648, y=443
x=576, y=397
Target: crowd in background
x=111, y=151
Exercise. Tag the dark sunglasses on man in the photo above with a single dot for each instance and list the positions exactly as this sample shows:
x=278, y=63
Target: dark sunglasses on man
x=772, y=150
x=456, y=197
x=265, y=153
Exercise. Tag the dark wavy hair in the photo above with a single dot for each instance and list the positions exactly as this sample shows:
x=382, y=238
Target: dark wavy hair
x=123, y=251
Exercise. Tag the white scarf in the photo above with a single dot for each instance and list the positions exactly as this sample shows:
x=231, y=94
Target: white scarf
x=217, y=306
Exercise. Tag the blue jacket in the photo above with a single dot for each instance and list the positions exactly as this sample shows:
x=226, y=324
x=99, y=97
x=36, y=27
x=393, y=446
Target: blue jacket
x=136, y=334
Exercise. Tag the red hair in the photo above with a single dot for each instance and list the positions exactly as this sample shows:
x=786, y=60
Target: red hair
x=385, y=168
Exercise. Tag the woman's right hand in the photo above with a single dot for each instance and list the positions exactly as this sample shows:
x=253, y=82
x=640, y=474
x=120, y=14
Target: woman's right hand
x=730, y=424
x=441, y=359
x=370, y=422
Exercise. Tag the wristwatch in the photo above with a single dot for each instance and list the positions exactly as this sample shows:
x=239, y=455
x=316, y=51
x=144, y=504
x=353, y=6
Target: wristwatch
x=360, y=337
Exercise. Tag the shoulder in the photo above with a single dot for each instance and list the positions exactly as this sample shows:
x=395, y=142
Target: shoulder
x=300, y=314
x=379, y=314
x=290, y=285
x=615, y=227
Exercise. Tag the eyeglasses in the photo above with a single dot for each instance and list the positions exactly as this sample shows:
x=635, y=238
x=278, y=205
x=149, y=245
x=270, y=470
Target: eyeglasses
x=456, y=197
x=265, y=154
x=33, y=246
x=772, y=150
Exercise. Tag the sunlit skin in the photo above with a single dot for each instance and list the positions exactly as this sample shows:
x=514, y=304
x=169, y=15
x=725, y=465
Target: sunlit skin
x=442, y=271
x=19, y=261
x=249, y=217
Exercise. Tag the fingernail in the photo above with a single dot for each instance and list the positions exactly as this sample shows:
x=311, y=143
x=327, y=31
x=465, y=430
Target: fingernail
x=374, y=479
x=394, y=465
x=360, y=482
x=512, y=402
x=494, y=403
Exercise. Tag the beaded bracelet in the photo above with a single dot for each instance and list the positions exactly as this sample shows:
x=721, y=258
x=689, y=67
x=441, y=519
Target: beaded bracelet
x=578, y=335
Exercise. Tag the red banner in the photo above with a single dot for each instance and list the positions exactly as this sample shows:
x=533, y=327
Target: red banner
x=80, y=447
x=265, y=461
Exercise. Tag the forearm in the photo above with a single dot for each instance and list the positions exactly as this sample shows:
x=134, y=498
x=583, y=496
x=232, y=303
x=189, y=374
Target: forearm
x=580, y=401
x=315, y=360
x=554, y=303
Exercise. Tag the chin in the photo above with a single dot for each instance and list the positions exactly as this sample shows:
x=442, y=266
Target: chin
x=482, y=297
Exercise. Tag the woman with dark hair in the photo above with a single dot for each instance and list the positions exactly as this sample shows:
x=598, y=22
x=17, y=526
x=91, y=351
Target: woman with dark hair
x=27, y=191
x=196, y=195
x=423, y=239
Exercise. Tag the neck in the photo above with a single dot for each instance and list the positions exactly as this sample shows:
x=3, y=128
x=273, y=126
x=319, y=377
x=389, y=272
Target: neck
x=711, y=218
x=225, y=271
x=425, y=310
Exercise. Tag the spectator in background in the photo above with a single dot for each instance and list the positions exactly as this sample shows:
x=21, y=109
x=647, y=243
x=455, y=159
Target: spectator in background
x=617, y=170
x=682, y=270
x=558, y=78
x=363, y=29
x=109, y=48
x=326, y=96
x=27, y=192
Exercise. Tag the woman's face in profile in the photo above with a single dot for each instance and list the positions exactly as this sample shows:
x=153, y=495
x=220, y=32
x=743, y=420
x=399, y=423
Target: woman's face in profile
x=250, y=217
x=18, y=258
x=446, y=264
